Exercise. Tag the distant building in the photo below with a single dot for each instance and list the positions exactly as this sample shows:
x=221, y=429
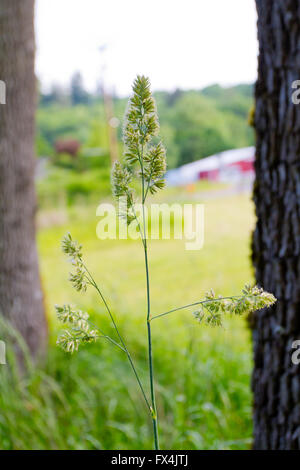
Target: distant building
x=231, y=166
x=68, y=146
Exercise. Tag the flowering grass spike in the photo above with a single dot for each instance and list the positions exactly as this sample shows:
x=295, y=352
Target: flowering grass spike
x=144, y=163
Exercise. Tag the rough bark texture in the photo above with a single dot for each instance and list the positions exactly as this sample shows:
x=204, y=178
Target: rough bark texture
x=21, y=299
x=276, y=241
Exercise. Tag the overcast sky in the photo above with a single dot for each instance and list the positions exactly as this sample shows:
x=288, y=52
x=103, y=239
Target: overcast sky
x=185, y=44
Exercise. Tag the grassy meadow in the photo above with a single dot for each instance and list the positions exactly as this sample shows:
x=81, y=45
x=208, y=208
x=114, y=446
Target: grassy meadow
x=90, y=400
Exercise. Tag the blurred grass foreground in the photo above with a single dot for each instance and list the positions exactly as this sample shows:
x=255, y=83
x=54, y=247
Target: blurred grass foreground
x=90, y=400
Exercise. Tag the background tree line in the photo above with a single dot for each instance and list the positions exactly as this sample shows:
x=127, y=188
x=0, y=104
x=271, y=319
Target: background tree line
x=194, y=124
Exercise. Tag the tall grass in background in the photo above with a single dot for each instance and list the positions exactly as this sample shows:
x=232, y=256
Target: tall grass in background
x=203, y=375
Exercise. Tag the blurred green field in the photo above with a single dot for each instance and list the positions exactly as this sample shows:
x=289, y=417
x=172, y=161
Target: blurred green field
x=90, y=400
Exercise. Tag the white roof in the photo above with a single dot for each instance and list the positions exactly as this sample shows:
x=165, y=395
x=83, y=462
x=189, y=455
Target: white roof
x=189, y=173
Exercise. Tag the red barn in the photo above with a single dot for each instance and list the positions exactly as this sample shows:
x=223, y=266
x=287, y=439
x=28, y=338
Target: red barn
x=230, y=166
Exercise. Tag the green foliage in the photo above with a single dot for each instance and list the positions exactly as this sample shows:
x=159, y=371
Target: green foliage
x=42, y=146
x=198, y=124
x=194, y=124
x=68, y=186
x=233, y=99
x=202, y=129
x=68, y=402
x=98, y=136
x=55, y=122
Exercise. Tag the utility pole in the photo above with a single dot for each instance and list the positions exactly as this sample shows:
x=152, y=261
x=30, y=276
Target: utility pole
x=111, y=121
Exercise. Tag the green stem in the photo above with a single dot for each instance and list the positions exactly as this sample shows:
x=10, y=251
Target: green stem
x=120, y=337
x=151, y=373
x=201, y=302
x=150, y=357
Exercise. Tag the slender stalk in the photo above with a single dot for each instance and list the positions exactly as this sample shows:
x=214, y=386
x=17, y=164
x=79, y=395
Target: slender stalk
x=103, y=336
x=151, y=374
x=199, y=303
x=93, y=282
x=150, y=357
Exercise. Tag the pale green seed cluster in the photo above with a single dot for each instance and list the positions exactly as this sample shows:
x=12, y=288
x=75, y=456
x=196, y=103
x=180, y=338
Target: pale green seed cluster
x=72, y=249
x=121, y=179
x=80, y=331
x=212, y=309
x=155, y=168
x=141, y=126
x=141, y=121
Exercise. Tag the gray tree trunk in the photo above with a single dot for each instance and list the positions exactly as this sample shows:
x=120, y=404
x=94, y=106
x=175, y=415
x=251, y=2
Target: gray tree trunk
x=21, y=299
x=276, y=241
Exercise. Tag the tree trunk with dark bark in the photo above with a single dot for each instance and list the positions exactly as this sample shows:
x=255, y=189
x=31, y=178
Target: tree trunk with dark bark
x=21, y=299
x=276, y=241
